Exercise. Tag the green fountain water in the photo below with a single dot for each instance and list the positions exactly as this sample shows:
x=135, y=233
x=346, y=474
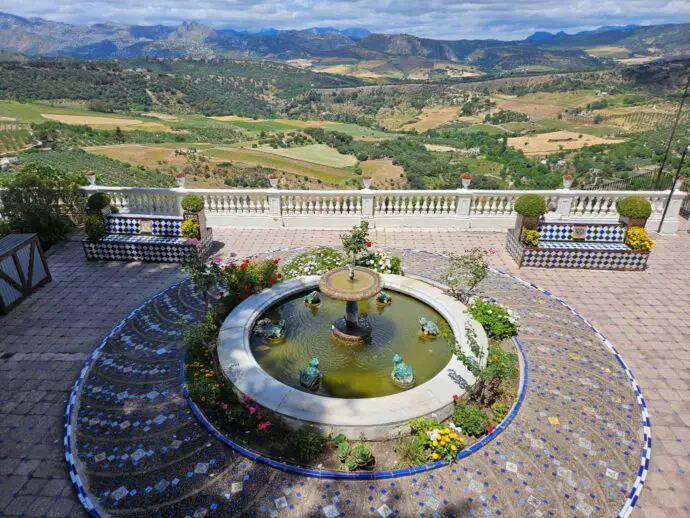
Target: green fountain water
x=351, y=370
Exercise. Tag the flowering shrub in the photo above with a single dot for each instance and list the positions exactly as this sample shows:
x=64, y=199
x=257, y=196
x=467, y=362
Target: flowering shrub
x=245, y=278
x=530, y=238
x=316, y=261
x=445, y=443
x=497, y=321
x=382, y=262
x=638, y=239
x=356, y=241
x=500, y=364
x=190, y=230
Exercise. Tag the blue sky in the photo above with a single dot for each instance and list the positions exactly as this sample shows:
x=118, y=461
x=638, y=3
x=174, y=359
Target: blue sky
x=447, y=19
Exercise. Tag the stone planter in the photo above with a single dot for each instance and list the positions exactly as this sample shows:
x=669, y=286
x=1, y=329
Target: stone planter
x=567, y=183
x=528, y=223
x=91, y=178
x=366, y=180
x=180, y=181
x=466, y=182
x=634, y=222
x=274, y=182
x=199, y=218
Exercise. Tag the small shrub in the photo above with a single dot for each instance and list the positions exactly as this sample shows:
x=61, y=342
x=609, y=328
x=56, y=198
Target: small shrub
x=464, y=273
x=634, y=207
x=94, y=227
x=472, y=420
x=500, y=410
x=193, y=203
x=382, y=262
x=203, y=387
x=423, y=424
x=316, y=261
x=530, y=205
x=98, y=201
x=638, y=239
x=412, y=450
x=500, y=364
x=530, y=238
x=201, y=338
x=363, y=456
x=497, y=321
x=307, y=443
x=190, y=230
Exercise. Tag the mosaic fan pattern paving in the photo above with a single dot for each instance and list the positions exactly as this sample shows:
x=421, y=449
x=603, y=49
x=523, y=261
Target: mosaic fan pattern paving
x=574, y=448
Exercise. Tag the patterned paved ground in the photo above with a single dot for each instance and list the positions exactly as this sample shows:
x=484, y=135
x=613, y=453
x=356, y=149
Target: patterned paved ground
x=92, y=297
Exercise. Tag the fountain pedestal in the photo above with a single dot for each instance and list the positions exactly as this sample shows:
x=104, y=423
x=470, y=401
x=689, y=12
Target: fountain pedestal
x=351, y=284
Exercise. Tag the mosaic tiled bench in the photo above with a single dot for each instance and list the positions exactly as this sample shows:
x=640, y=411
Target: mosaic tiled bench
x=600, y=247
x=134, y=237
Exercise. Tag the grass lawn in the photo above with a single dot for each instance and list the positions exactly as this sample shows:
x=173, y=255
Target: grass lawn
x=315, y=153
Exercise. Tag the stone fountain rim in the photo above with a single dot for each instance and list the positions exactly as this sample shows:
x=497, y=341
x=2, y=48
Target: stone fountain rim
x=362, y=294
x=378, y=417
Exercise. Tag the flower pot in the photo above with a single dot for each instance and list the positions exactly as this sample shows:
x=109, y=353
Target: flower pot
x=199, y=218
x=466, y=182
x=633, y=222
x=367, y=182
x=91, y=178
x=567, y=183
x=180, y=181
x=527, y=223
x=274, y=183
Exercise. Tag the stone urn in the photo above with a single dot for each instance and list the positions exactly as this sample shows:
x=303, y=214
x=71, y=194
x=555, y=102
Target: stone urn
x=567, y=181
x=366, y=180
x=273, y=180
x=466, y=179
x=91, y=177
x=180, y=178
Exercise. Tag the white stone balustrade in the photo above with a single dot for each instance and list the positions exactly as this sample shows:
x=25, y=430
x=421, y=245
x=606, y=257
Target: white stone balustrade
x=456, y=209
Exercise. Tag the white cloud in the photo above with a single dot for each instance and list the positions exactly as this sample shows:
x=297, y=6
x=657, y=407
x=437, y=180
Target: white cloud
x=448, y=19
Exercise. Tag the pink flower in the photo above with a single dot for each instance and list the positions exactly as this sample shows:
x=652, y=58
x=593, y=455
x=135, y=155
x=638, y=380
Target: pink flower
x=258, y=417
x=491, y=251
x=252, y=409
x=217, y=259
x=246, y=398
x=225, y=406
x=455, y=397
x=263, y=425
x=193, y=242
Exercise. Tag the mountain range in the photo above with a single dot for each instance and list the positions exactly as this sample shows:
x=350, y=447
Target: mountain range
x=39, y=37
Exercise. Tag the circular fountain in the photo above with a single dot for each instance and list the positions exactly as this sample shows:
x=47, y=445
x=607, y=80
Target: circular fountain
x=367, y=372
x=351, y=284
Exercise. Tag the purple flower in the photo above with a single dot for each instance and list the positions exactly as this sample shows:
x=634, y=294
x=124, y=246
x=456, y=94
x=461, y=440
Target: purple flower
x=217, y=259
x=492, y=251
x=194, y=242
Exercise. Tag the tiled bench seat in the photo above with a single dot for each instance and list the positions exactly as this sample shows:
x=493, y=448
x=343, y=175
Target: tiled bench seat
x=571, y=245
x=141, y=237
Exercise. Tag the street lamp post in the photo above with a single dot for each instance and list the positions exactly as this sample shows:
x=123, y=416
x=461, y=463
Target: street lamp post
x=673, y=186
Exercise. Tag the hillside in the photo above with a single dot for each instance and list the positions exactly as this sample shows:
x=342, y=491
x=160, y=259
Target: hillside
x=379, y=55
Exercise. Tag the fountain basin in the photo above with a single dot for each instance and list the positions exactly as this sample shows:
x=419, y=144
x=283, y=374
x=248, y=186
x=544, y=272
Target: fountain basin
x=377, y=417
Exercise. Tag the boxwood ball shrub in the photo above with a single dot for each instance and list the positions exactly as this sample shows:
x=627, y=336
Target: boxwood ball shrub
x=94, y=227
x=99, y=201
x=193, y=203
x=530, y=205
x=634, y=207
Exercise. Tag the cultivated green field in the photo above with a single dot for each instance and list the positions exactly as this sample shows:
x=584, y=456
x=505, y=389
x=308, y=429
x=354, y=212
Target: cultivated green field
x=314, y=153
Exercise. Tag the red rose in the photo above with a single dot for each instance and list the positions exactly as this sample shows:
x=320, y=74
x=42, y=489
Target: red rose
x=272, y=280
x=276, y=260
x=455, y=397
x=280, y=275
x=368, y=243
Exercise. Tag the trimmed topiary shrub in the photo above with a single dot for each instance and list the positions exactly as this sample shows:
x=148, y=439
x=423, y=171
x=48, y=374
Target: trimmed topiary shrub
x=94, y=227
x=634, y=207
x=98, y=201
x=193, y=203
x=530, y=205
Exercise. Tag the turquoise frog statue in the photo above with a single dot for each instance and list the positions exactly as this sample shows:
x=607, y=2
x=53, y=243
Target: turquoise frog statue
x=429, y=329
x=383, y=299
x=402, y=374
x=311, y=376
x=313, y=299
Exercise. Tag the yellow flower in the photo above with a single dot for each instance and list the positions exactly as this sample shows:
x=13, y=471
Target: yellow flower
x=435, y=443
x=446, y=430
x=454, y=436
x=434, y=456
x=453, y=447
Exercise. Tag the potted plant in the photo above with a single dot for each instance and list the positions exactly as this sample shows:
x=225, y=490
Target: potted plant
x=193, y=207
x=91, y=177
x=94, y=227
x=180, y=178
x=634, y=210
x=567, y=181
x=366, y=180
x=530, y=208
x=98, y=203
x=466, y=178
x=274, y=181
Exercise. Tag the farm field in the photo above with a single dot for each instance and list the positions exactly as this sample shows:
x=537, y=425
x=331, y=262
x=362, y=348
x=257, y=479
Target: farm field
x=14, y=139
x=546, y=143
x=384, y=174
x=286, y=125
x=137, y=154
x=315, y=153
x=486, y=128
x=432, y=117
x=545, y=104
x=549, y=125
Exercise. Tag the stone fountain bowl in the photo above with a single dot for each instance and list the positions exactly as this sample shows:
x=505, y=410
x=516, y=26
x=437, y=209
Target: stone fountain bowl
x=336, y=284
x=377, y=418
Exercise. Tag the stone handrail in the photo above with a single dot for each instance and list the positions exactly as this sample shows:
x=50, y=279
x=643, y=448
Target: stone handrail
x=459, y=209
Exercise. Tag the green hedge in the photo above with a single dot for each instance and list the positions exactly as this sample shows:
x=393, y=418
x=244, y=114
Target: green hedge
x=635, y=207
x=530, y=205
